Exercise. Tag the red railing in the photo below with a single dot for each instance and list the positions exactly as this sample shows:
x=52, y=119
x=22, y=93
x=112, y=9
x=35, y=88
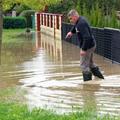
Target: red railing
x=49, y=20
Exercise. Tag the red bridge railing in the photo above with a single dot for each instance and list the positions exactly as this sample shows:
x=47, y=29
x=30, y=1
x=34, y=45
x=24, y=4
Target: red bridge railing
x=48, y=20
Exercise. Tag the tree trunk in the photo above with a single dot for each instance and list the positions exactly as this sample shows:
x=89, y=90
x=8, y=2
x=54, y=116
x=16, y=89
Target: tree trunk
x=1, y=27
x=1, y=21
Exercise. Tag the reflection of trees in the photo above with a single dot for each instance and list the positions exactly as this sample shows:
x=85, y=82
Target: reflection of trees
x=17, y=52
x=11, y=56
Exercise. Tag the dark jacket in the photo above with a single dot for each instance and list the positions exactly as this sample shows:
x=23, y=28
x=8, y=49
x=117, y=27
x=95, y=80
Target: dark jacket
x=84, y=34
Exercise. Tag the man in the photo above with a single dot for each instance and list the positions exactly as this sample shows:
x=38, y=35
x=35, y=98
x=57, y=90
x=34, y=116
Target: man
x=87, y=45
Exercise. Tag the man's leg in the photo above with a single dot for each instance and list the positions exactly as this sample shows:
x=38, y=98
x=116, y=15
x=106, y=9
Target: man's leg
x=96, y=72
x=85, y=65
x=95, y=69
x=87, y=75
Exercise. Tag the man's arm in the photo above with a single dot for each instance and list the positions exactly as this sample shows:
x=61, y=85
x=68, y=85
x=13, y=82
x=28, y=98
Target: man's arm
x=72, y=31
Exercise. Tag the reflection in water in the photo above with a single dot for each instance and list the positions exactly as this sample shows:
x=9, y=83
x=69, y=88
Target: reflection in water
x=49, y=70
x=12, y=56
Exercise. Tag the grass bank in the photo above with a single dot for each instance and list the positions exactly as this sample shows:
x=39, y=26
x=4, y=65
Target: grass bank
x=13, y=35
x=14, y=111
x=12, y=108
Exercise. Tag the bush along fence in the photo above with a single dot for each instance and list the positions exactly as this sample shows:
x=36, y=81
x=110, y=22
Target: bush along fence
x=108, y=41
x=14, y=22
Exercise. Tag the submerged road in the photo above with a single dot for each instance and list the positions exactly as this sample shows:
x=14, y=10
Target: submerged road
x=49, y=70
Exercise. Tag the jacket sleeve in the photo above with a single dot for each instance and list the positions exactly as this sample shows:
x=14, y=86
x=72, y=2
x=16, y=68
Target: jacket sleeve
x=73, y=29
x=86, y=36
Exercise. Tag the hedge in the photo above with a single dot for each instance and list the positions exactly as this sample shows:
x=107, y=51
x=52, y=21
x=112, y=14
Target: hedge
x=14, y=22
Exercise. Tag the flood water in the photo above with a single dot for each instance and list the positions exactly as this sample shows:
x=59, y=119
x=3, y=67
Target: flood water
x=49, y=70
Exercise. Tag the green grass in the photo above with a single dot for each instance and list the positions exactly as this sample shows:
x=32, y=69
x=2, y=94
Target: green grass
x=12, y=35
x=14, y=111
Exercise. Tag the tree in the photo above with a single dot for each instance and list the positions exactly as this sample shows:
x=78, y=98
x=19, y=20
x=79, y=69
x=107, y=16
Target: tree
x=33, y=4
x=1, y=21
x=1, y=24
x=38, y=5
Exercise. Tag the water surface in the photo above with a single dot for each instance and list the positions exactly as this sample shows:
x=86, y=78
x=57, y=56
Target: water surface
x=49, y=70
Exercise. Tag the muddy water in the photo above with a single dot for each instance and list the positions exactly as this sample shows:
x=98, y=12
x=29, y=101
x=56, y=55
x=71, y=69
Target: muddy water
x=49, y=70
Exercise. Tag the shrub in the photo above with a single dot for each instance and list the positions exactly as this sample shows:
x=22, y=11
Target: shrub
x=14, y=22
x=28, y=15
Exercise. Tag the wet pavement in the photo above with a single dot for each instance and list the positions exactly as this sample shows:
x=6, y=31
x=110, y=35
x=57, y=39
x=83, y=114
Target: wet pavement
x=49, y=70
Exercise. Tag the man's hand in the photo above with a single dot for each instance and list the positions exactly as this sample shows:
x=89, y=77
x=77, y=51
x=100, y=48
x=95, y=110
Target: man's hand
x=82, y=52
x=69, y=35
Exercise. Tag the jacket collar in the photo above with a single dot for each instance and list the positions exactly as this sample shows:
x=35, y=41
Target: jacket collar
x=77, y=20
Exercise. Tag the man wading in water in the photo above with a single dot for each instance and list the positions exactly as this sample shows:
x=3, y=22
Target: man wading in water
x=87, y=45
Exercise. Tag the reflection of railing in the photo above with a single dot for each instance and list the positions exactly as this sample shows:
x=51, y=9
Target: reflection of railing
x=58, y=50
x=49, y=23
x=52, y=47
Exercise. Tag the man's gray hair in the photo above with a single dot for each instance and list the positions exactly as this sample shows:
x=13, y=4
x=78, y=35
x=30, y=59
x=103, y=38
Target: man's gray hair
x=72, y=12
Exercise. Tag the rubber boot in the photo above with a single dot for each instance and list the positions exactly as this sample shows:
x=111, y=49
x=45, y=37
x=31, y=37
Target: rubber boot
x=87, y=76
x=96, y=72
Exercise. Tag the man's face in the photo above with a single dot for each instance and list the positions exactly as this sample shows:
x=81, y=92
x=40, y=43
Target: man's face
x=73, y=19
